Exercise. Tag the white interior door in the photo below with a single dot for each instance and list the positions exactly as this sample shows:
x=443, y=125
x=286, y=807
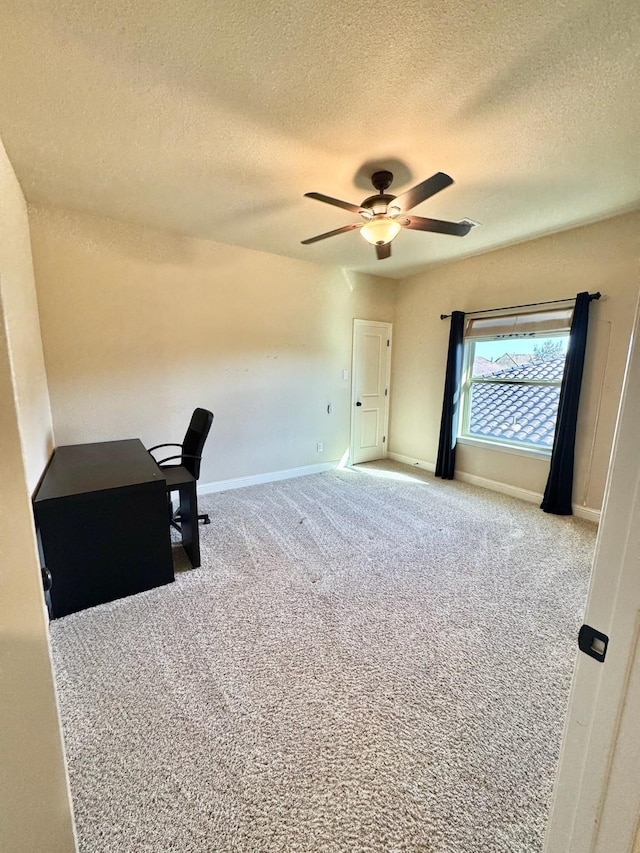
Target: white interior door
x=596, y=807
x=370, y=390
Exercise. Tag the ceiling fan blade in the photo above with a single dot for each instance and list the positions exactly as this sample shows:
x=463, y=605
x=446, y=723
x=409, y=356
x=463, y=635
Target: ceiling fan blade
x=439, y=226
x=324, y=236
x=383, y=251
x=346, y=205
x=422, y=191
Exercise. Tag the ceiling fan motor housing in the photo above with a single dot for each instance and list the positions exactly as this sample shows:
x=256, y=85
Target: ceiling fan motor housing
x=377, y=203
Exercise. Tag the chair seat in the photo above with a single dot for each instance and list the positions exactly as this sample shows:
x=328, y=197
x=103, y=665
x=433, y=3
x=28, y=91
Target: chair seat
x=177, y=476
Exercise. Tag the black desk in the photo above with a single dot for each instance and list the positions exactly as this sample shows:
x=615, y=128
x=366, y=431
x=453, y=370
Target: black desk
x=101, y=515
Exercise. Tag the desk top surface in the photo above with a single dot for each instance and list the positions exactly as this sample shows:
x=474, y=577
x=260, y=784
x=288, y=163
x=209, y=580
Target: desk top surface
x=77, y=469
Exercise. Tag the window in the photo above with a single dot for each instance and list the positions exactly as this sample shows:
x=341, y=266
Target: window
x=512, y=375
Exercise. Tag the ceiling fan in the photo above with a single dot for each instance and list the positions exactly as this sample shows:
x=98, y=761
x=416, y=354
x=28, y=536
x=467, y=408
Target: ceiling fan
x=384, y=214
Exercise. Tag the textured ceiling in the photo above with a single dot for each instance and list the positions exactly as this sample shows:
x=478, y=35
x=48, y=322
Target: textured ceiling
x=213, y=119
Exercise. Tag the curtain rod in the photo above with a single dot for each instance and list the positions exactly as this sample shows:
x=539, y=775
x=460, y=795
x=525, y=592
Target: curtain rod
x=526, y=305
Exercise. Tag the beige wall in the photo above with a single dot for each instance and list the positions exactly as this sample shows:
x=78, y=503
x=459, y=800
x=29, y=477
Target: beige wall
x=139, y=327
x=601, y=257
x=34, y=799
x=23, y=328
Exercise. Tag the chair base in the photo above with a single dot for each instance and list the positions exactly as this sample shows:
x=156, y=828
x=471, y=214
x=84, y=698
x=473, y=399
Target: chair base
x=175, y=520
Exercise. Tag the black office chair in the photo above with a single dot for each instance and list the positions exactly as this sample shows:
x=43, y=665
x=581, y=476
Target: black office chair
x=182, y=476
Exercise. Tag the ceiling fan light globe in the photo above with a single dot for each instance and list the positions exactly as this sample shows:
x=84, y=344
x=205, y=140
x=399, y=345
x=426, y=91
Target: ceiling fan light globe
x=380, y=230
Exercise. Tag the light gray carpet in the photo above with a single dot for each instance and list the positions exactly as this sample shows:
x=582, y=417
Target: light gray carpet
x=363, y=663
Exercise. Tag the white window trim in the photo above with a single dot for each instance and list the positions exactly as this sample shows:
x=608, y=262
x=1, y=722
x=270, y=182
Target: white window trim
x=515, y=448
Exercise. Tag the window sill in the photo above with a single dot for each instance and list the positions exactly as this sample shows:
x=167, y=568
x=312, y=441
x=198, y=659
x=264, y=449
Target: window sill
x=535, y=452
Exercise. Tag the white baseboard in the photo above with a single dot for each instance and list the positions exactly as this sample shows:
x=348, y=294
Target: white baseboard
x=587, y=512
x=409, y=460
x=269, y=477
x=503, y=488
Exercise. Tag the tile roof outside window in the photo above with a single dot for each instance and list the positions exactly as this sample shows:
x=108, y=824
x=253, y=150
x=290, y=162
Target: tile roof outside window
x=517, y=412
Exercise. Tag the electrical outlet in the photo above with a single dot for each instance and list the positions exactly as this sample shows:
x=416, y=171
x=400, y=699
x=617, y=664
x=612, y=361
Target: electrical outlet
x=345, y=375
x=320, y=447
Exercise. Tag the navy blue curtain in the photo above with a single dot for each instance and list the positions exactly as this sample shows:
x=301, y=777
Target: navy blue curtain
x=446, y=463
x=558, y=492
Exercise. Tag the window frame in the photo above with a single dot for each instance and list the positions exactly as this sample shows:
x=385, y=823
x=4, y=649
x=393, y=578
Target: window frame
x=503, y=444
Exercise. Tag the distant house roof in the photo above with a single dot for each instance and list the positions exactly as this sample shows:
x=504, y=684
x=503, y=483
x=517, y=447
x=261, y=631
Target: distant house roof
x=517, y=412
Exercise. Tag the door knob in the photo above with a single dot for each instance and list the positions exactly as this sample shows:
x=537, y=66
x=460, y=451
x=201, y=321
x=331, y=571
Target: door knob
x=358, y=403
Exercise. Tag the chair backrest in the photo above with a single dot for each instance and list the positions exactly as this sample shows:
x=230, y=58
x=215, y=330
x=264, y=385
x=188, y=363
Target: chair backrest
x=194, y=440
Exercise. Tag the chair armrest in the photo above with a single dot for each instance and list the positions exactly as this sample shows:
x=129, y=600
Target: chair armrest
x=179, y=456
x=155, y=447
x=160, y=462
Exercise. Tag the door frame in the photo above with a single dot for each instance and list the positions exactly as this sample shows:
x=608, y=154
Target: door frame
x=596, y=801
x=389, y=327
